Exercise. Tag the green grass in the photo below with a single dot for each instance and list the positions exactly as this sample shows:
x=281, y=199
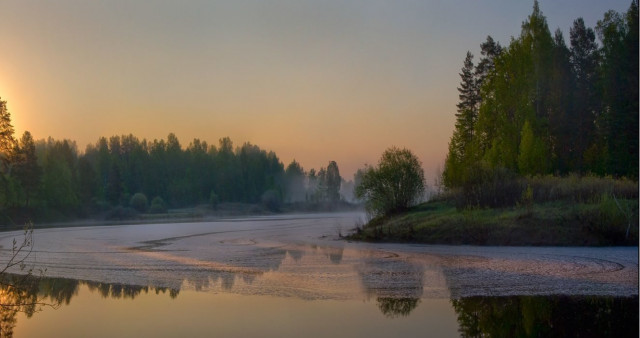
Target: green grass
x=555, y=223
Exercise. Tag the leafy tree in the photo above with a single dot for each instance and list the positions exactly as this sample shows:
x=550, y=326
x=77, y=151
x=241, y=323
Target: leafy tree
x=312, y=186
x=532, y=157
x=6, y=137
x=394, y=185
x=59, y=175
x=515, y=91
x=27, y=171
x=157, y=206
x=139, y=202
x=294, y=182
x=321, y=188
x=333, y=180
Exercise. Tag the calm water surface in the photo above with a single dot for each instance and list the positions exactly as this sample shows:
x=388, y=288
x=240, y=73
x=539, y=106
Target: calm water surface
x=292, y=276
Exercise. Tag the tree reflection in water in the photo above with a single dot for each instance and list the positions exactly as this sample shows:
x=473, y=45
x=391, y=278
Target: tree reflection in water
x=29, y=294
x=396, y=284
x=547, y=316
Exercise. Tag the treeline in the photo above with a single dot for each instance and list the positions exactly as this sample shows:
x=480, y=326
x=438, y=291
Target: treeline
x=129, y=172
x=541, y=107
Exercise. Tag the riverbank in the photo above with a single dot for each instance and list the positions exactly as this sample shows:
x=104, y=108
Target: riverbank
x=121, y=215
x=557, y=223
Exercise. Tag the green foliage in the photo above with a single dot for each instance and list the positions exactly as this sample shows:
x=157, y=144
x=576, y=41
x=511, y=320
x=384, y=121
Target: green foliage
x=544, y=107
x=533, y=158
x=489, y=187
x=6, y=137
x=139, y=202
x=157, y=206
x=527, y=198
x=394, y=185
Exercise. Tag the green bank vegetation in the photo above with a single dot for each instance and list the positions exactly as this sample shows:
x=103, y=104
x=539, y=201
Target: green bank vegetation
x=575, y=211
x=545, y=146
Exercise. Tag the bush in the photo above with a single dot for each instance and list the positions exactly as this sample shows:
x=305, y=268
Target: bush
x=493, y=188
x=158, y=206
x=271, y=200
x=139, y=202
x=611, y=219
x=500, y=188
x=396, y=184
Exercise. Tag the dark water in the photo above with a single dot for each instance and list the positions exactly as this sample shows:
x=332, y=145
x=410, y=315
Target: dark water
x=66, y=307
x=292, y=276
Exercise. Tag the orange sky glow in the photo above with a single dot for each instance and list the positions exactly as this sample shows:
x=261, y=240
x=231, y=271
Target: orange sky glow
x=310, y=80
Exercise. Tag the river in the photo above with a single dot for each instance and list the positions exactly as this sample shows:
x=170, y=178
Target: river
x=290, y=275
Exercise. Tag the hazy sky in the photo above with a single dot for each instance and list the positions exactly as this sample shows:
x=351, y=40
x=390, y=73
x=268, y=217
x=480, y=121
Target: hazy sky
x=311, y=80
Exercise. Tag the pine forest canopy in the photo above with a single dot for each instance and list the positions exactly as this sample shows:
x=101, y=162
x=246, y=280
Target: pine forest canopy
x=538, y=106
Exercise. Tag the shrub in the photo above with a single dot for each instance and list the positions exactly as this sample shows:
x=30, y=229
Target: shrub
x=139, y=202
x=158, y=206
x=396, y=184
x=490, y=187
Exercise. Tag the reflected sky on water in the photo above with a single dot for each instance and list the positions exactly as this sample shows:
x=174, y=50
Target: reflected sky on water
x=300, y=266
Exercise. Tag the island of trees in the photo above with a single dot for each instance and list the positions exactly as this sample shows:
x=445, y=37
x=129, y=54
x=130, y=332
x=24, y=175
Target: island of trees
x=545, y=146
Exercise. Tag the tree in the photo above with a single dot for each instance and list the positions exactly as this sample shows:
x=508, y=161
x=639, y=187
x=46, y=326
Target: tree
x=333, y=180
x=6, y=138
x=27, y=170
x=586, y=101
x=459, y=146
x=489, y=50
x=394, y=185
x=139, y=202
x=532, y=156
x=294, y=182
x=619, y=69
x=562, y=131
x=515, y=91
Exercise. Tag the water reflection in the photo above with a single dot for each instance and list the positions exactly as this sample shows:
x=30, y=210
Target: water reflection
x=29, y=294
x=547, y=316
x=397, y=285
x=514, y=316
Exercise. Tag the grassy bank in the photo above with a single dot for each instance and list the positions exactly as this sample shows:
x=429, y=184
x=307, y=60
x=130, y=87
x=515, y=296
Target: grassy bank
x=572, y=215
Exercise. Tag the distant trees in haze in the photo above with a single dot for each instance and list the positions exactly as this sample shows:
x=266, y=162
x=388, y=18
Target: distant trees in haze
x=539, y=106
x=129, y=172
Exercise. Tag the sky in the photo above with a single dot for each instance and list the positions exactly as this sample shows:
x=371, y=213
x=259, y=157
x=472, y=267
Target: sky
x=313, y=81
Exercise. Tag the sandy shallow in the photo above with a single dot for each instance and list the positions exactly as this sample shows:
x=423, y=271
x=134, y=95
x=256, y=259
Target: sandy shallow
x=302, y=256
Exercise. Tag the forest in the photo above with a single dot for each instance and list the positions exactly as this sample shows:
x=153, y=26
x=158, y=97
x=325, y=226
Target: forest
x=545, y=145
x=121, y=176
x=539, y=106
